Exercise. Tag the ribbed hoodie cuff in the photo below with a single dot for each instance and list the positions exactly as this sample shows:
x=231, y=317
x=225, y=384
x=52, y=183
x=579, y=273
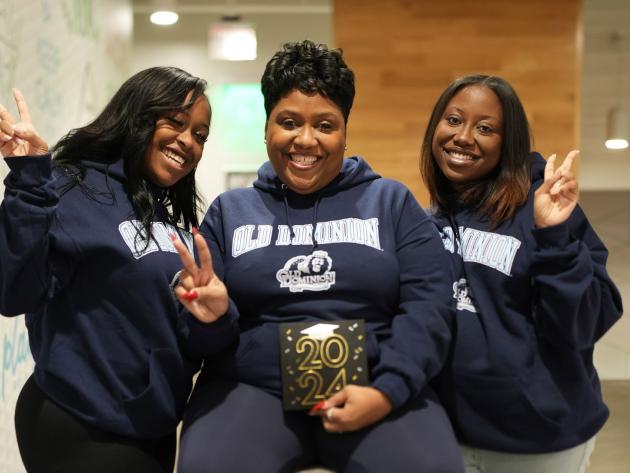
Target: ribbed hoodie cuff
x=225, y=322
x=29, y=170
x=205, y=339
x=556, y=236
x=394, y=387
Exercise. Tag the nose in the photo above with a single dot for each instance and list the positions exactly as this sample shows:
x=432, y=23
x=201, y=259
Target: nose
x=463, y=136
x=185, y=138
x=305, y=137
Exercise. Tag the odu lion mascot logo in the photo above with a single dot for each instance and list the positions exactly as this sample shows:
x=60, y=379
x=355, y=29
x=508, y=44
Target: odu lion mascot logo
x=307, y=273
x=461, y=293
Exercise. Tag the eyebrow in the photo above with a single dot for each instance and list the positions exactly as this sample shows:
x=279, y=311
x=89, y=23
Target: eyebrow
x=483, y=117
x=295, y=112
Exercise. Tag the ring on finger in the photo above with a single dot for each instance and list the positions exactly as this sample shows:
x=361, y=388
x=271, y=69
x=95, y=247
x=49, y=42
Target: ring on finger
x=329, y=415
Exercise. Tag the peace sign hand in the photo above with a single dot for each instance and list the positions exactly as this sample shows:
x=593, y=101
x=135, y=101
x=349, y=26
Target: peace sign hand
x=19, y=139
x=200, y=290
x=556, y=198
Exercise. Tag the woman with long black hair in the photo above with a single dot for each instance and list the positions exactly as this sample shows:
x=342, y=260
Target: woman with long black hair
x=88, y=250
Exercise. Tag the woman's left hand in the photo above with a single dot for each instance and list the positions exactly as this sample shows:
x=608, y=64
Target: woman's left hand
x=199, y=289
x=353, y=408
x=556, y=198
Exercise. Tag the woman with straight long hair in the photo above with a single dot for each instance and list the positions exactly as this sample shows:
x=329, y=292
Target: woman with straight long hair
x=532, y=291
x=88, y=250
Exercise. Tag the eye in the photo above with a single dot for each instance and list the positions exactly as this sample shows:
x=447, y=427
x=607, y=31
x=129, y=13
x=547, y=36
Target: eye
x=288, y=124
x=175, y=121
x=325, y=127
x=485, y=129
x=453, y=120
x=201, y=137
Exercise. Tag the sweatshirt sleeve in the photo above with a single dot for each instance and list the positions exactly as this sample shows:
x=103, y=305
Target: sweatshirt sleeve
x=576, y=301
x=205, y=339
x=421, y=327
x=29, y=270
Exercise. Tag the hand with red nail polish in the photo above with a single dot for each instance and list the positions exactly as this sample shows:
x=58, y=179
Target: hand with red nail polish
x=202, y=293
x=317, y=407
x=191, y=295
x=353, y=408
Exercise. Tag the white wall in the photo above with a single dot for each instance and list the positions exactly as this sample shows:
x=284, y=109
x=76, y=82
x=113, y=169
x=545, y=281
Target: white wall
x=605, y=83
x=67, y=57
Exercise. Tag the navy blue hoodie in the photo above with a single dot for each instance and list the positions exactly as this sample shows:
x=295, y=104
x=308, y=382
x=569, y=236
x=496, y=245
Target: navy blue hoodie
x=531, y=303
x=108, y=338
x=380, y=257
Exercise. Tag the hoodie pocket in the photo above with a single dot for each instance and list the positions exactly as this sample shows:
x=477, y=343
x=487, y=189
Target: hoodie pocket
x=517, y=407
x=156, y=410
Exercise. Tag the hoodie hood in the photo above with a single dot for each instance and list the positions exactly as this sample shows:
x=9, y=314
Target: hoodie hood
x=538, y=167
x=113, y=169
x=354, y=171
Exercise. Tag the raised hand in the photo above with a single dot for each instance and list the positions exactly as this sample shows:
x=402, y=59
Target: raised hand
x=200, y=290
x=19, y=139
x=556, y=198
x=352, y=408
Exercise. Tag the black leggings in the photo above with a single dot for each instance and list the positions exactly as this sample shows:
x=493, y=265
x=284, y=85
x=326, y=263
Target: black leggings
x=52, y=440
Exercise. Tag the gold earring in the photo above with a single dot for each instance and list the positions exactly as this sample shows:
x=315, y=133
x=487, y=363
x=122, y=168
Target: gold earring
x=345, y=148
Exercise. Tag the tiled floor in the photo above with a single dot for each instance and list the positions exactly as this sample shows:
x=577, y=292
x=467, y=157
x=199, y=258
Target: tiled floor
x=612, y=454
x=609, y=213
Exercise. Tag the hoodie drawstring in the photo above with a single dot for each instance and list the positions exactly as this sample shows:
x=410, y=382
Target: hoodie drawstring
x=317, y=201
x=288, y=217
x=286, y=210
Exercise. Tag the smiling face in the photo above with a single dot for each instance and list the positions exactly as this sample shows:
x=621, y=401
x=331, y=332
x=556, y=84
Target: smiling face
x=306, y=138
x=177, y=143
x=467, y=140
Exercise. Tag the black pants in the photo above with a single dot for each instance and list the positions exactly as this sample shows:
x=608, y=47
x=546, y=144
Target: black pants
x=258, y=435
x=51, y=440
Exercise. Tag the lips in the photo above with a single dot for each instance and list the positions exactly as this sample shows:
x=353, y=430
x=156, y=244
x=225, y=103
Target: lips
x=459, y=156
x=303, y=160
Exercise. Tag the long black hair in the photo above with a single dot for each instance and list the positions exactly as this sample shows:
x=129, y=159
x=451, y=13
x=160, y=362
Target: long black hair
x=499, y=194
x=124, y=130
x=308, y=67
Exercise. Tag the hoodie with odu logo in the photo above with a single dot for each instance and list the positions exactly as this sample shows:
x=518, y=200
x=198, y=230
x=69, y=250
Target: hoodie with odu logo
x=360, y=248
x=111, y=344
x=531, y=303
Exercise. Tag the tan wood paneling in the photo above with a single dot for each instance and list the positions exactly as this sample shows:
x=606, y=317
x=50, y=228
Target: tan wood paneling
x=405, y=52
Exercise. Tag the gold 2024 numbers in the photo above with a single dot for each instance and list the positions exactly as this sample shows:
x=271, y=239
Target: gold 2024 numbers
x=331, y=352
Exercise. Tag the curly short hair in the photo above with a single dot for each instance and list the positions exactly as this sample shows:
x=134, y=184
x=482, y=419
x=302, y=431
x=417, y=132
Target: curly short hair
x=309, y=68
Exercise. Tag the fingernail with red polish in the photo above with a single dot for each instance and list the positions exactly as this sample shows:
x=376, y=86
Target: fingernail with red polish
x=191, y=295
x=316, y=407
x=172, y=236
x=195, y=230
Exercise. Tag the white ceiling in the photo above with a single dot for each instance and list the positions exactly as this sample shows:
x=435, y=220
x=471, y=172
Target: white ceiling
x=238, y=6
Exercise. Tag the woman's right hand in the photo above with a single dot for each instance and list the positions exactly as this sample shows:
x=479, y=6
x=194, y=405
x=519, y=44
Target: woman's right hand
x=19, y=139
x=199, y=289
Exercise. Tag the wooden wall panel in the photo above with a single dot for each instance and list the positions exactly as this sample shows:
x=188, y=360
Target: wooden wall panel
x=405, y=52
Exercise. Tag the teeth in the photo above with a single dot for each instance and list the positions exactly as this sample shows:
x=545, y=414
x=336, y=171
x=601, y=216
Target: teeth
x=301, y=159
x=174, y=157
x=461, y=156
